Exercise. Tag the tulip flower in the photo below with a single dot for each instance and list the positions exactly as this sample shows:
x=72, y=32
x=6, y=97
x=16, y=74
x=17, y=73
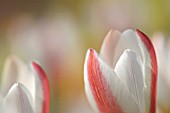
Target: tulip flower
x=24, y=89
x=162, y=51
x=123, y=77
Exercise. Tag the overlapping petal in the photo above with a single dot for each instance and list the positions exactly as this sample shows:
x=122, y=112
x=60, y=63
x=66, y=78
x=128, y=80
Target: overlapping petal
x=33, y=79
x=129, y=85
x=128, y=69
x=15, y=71
x=18, y=100
x=107, y=50
x=105, y=88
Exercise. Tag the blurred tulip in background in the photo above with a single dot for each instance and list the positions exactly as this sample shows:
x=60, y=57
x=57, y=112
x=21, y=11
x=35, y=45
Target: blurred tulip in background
x=162, y=47
x=24, y=89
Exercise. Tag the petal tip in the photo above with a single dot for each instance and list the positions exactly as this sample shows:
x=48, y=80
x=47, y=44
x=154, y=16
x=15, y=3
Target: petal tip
x=90, y=52
x=11, y=59
x=154, y=71
x=128, y=30
x=18, y=85
x=139, y=32
x=39, y=70
x=45, y=86
x=112, y=32
x=34, y=64
x=18, y=99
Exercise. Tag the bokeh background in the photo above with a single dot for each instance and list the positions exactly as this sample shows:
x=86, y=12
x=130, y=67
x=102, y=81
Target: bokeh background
x=57, y=33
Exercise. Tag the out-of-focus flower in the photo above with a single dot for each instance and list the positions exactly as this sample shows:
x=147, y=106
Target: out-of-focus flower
x=23, y=89
x=54, y=40
x=122, y=79
x=163, y=56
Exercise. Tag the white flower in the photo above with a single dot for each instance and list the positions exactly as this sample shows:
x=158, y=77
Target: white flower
x=24, y=89
x=122, y=79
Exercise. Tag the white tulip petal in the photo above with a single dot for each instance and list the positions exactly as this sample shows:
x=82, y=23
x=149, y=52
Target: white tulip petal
x=9, y=76
x=102, y=85
x=127, y=40
x=15, y=71
x=17, y=100
x=129, y=71
x=108, y=46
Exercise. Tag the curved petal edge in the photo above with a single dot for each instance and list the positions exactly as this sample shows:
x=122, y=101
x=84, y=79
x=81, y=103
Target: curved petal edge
x=154, y=71
x=45, y=87
x=97, y=87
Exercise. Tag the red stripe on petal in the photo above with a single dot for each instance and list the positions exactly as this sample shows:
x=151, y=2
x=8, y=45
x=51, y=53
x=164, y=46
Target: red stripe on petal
x=151, y=51
x=106, y=102
x=45, y=87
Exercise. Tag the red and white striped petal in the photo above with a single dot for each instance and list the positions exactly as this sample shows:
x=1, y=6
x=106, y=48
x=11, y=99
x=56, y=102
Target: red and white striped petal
x=129, y=71
x=15, y=71
x=105, y=91
x=42, y=93
x=18, y=100
x=150, y=71
x=108, y=46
